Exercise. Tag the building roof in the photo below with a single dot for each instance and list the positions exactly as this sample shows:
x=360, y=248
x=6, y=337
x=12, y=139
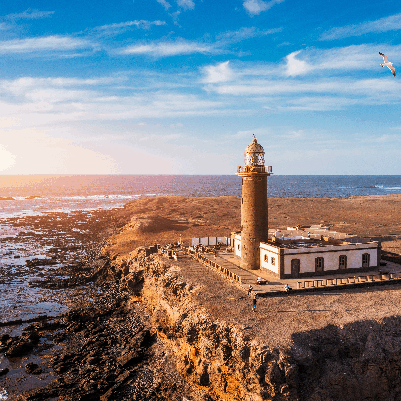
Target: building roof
x=254, y=147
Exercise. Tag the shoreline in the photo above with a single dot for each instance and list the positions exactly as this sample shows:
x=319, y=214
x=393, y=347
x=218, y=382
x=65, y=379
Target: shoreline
x=162, y=220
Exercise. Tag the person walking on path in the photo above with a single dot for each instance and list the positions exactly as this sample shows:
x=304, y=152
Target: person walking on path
x=250, y=288
x=254, y=303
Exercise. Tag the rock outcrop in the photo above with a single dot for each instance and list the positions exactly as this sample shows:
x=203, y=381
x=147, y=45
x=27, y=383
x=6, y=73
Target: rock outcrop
x=215, y=356
x=359, y=361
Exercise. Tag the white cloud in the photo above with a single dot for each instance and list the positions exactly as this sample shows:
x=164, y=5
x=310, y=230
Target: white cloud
x=186, y=4
x=164, y=49
x=4, y=26
x=164, y=3
x=218, y=73
x=45, y=43
x=29, y=14
x=182, y=46
x=372, y=88
x=295, y=66
x=53, y=90
x=320, y=103
x=255, y=7
x=177, y=125
x=121, y=27
x=246, y=33
x=276, y=87
x=391, y=23
x=355, y=57
x=29, y=102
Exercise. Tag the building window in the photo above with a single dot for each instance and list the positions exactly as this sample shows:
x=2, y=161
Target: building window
x=365, y=260
x=342, y=263
x=273, y=261
x=319, y=264
x=266, y=258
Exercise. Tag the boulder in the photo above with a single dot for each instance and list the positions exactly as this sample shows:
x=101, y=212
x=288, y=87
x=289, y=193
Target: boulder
x=33, y=369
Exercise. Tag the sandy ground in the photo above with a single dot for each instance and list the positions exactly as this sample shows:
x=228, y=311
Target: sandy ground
x=163, y=220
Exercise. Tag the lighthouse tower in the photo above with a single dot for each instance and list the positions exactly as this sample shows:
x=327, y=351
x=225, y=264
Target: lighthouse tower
x=254, y=222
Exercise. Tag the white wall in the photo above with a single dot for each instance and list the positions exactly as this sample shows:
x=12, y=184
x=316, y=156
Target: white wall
x=331, y=259
x=237, y=245
x=270, y=252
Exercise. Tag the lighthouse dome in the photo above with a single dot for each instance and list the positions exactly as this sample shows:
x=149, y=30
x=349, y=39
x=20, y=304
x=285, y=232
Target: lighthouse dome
x=254, y=154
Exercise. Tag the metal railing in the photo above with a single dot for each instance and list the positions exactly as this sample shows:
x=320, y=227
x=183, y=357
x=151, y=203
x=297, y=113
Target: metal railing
x=255, y=169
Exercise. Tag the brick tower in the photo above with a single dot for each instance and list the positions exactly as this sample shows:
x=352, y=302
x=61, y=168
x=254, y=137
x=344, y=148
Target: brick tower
x=254, y=223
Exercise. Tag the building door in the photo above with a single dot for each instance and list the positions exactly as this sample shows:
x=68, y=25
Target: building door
x=319, y=265
x=295, y=267
x=365, y=260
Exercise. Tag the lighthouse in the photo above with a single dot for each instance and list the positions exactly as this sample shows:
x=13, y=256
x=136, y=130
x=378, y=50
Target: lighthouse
x=254, y=214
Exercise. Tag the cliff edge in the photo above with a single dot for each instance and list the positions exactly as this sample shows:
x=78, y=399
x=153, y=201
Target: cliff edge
x=337, y=346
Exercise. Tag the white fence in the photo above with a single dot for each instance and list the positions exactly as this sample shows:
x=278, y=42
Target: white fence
x=211, y=241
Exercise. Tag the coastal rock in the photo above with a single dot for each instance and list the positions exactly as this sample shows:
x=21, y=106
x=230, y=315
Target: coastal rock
x=33, y=369
x=327, y=364
x=211, y=354
x=218, y=358
x=4, y=371
x=40, y=262
x=18, y=346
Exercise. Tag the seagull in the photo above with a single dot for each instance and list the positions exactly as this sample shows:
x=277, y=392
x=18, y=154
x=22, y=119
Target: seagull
x=387, y=63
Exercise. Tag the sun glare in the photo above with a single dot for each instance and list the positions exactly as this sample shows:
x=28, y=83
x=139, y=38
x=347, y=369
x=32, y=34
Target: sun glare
x=7, y=159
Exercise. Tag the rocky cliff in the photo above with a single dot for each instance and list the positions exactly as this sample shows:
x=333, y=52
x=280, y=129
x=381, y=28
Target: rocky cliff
x=356, y=361
x=216, y=356
x=337, y=346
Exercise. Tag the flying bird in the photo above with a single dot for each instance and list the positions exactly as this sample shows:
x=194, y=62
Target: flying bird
x=387, y=63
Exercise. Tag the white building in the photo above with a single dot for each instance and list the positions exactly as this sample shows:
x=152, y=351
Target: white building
x=314, y=250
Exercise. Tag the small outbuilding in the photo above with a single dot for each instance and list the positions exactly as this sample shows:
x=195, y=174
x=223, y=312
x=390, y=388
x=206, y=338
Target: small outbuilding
x=314, y=251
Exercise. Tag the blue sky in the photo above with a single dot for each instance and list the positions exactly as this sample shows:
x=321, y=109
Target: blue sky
x=180, y=86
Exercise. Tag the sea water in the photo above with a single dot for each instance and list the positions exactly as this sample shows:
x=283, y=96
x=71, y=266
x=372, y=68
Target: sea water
x=36, y=194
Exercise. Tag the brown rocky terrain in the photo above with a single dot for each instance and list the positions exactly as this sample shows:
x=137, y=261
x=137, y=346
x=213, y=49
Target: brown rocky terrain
x=174, y=330
x=164, y=219
x=343, y=345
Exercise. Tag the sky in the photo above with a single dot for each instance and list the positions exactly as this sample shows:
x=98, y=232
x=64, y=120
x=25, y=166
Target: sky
x=181, y=86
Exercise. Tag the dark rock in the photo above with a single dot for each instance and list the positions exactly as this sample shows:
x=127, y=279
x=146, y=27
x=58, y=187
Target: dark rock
x=40, y=262
x=33, y=369
x=4, y=371
x=4, y=338
x=58, y=338
x=274, y=376
x=92, y=360
x=130, y=357
x=39, y=394
x=19, y=348
x=61, y=367
x=32, y=337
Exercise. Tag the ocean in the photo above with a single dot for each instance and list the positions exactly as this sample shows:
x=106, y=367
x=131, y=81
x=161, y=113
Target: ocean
x=36, y=194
